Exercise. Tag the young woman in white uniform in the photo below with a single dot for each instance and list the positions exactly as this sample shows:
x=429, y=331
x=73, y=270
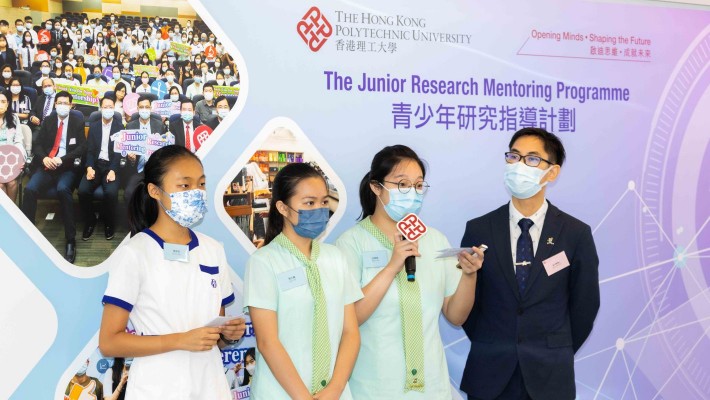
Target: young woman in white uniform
x=170, y=282
x=300, y=296
x=402, y=358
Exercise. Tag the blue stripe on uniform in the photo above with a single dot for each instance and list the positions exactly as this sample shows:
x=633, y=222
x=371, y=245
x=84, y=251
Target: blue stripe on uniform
x=228, y=300
x=120, y=303
x=209, y=270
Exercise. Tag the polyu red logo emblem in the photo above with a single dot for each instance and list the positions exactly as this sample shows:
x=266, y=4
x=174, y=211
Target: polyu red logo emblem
x=314, y=29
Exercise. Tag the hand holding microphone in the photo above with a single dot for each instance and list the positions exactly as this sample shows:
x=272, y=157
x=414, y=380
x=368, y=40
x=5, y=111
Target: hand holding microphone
x=412, y=228
x=401, y=251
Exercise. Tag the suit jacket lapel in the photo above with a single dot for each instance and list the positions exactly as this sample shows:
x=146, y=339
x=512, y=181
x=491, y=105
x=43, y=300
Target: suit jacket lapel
x=500, y=226
x=551, y=229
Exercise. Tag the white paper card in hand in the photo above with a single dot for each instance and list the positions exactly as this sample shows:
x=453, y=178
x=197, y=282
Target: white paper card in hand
x=219, y=321
x=453, y=252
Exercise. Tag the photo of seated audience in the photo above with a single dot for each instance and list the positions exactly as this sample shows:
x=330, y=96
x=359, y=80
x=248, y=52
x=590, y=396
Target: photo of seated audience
x=71, y=81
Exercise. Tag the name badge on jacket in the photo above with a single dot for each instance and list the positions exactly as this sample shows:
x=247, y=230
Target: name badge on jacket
x=375, y=259
x=291, y=279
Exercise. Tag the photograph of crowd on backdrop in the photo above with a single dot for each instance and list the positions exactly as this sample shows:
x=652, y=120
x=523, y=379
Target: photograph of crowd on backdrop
x=85, y=99
x=246, y=199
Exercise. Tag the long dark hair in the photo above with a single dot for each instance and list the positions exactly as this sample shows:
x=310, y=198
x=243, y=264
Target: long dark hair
x=116, y=374
x=284, y=185
x=143, y=209
x=9, y=113
x=382, y=164
x=247, y=376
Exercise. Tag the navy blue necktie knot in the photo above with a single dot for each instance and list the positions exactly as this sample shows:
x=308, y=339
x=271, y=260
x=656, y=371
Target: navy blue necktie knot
x=525, y=224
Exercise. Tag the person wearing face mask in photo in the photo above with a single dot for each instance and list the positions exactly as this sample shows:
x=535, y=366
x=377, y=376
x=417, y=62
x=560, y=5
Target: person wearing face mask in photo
x=14, y=39
x=530, y=318
x=117, y=79
x=82, y=386
x=184, y=127
x=230, y=75
x=241, y=374
x=171, y=282
x=58, y=67
x=70, y=59
x=144, y=86
x=19, y=101
x=7, y=73
x=27, y=52
x=135, y=50
x=81, y=68
x=171, y=81
x=196, y=86
x=132, y=173
x=29, y=27
x=10, y=134
x=126, y=67
x=100, y=48
x=101, y=168
x=44, y=105
x=222, y=108
x=186, y=72
x=206, y=107
x=59, y=144
x=45, y=71
x=7, y=54
x=85, y=44
x=67, y=76
x=97, y=80
x=402, y=354
x=219, y=78
x=299, y=295
x=173, y=95
x=66, y=43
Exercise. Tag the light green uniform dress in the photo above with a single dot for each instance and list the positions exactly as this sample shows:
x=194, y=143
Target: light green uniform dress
x=380, y=368
x=276, y=280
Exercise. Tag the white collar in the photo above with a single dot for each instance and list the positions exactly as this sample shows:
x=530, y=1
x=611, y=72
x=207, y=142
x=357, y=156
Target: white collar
x=538, y=217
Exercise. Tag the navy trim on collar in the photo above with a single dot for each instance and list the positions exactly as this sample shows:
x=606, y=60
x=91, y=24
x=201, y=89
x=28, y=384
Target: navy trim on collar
x=193, y=238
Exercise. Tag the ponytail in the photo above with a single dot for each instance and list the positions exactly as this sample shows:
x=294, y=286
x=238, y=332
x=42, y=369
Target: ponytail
x=384, y=162
x=142, y=210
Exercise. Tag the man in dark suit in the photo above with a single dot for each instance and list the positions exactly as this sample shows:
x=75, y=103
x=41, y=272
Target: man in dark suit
x=133, y=172
x=43, y=106
x=58, y=152
x=222, y=106
x=184, y=127
x=537, y=293
x=101, y=167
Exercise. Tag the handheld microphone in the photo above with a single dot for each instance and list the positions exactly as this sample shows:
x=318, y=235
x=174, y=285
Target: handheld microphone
x=412, y=228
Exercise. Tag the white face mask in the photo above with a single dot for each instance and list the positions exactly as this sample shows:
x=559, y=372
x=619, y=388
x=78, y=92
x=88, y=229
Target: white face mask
x=174, y=97
x=208, y=96
x=15, y=89
x=7, y=75
x=250, y=368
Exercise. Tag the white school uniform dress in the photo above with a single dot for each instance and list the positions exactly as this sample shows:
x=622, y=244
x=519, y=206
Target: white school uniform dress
x=294, y=304
x=379, y=372
x=165, y=297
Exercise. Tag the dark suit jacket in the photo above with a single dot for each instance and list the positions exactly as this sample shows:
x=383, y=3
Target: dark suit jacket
x=38, y=109
x=156, y=126
x=75, y=141
x=541, y=329
x=93, y=144
x=177, y=128
x=212, y=122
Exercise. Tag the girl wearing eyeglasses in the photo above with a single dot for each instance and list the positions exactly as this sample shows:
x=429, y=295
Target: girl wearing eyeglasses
x=402, y=355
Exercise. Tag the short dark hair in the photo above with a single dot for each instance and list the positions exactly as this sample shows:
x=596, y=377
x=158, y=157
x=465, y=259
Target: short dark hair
x=552, y=144
x=185, y=101
x=144, y=97
x=101, y=102
x=64, y=93
x=207, y=85
x=4, y=22
x=221, y=98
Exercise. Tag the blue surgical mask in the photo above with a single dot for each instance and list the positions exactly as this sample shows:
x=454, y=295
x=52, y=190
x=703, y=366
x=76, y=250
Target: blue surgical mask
x=186, y=208
x=311, y=223
x=144, y=114
x=187, y=116
x=63, y=110
x=401, y=204
x=523, y=181
x=48, y=91
x=107, y=113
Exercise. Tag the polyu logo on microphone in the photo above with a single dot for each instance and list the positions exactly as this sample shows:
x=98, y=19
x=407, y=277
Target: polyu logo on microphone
x=411, y=227
x=314, y=28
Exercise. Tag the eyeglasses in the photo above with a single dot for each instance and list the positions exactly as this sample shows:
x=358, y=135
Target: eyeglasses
x=529, y=160
x=405, y=185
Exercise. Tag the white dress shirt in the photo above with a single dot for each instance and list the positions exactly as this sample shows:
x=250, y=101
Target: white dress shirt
x=105, y=134
x=63, y=143
x=538, y=219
